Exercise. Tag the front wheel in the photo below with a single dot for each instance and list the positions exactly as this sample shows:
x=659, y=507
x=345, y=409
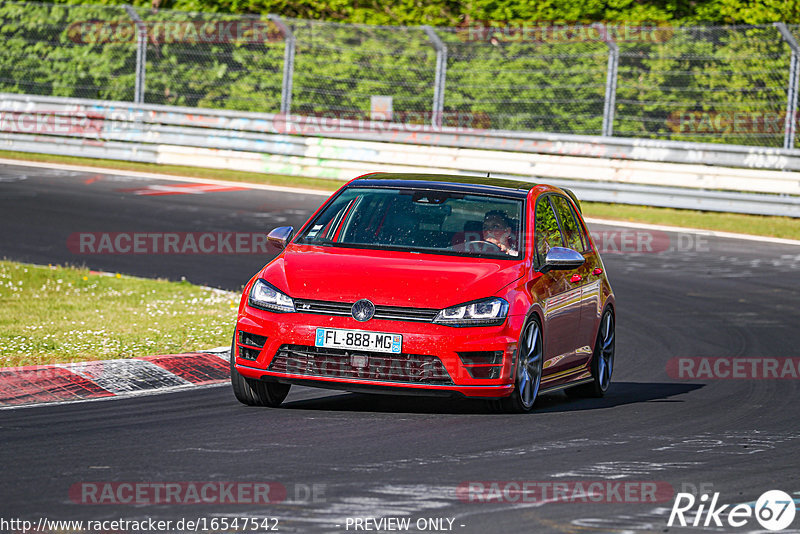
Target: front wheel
x=254, y=392
x=528, y=372
x=602, y=361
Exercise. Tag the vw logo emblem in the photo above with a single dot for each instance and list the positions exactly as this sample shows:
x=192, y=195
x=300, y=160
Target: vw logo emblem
x=363, y=310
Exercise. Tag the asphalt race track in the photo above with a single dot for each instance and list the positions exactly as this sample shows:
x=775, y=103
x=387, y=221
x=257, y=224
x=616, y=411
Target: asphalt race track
x=344, y=455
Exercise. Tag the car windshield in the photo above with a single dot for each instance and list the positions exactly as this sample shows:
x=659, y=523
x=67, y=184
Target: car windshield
x=433, y=221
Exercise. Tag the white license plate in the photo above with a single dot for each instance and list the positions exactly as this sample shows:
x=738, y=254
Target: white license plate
x=358, y=339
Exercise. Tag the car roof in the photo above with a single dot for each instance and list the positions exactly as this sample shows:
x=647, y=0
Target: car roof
x=466, y=184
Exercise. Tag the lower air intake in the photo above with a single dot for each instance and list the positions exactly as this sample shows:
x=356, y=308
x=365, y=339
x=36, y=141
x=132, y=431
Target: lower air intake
x=358, y=365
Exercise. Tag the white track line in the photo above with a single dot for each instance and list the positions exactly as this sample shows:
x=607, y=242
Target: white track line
x=698, y=231
x=303, y=191
x=156, y=176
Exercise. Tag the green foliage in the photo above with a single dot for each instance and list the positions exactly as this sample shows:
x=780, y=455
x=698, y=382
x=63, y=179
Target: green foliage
x=454, y=13
x=705, y=84
x=40, y=56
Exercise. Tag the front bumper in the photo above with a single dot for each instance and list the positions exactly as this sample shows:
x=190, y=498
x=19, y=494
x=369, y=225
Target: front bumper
x=430, y=363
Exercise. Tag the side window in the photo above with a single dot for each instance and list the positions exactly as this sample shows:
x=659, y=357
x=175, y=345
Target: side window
x=568, y=223
x=547, y=233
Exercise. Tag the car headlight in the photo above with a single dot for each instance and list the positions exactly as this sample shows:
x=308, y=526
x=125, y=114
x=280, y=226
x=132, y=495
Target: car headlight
x=266, y=297
x=484, y=312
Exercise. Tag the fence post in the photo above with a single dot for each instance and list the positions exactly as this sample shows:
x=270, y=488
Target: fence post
x=790, y=124
x=439, y=76
x=141, y=53
x=611, y=81
x=288, y=63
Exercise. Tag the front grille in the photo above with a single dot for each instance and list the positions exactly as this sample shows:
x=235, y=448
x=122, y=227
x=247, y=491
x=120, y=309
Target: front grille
x=359, y=365
x=389, y=313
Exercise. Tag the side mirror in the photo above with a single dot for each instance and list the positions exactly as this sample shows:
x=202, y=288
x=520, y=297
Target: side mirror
x=280, y=236
x=562, y=259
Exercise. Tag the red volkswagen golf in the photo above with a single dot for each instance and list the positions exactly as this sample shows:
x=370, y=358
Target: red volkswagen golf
x=430, y=285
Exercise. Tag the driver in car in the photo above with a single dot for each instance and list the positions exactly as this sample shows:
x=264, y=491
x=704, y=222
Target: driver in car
x=497, y=230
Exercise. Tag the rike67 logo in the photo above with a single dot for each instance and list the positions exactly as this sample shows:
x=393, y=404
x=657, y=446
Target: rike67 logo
x=774, y=510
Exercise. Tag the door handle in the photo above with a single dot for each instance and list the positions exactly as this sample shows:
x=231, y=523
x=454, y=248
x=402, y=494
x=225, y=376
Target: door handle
x=597, y=271
x=576, y=278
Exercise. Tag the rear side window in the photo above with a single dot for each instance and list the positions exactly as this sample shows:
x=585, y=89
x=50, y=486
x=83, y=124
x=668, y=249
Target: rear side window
x=572, y=232
x=547, y=233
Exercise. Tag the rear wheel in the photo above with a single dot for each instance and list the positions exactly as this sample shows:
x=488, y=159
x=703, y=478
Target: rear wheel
x=602, y=361
x=528, y=372
x=254, y=392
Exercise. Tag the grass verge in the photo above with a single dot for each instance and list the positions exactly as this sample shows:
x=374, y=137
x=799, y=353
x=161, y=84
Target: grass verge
x=783, y=227
x=54, y=314
x=770, y=226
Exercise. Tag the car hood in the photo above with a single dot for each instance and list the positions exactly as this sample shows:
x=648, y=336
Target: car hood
x=388, y=278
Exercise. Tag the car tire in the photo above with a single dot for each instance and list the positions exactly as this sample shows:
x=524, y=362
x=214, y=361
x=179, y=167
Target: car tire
x=254, y=392
x=527, y=371
x=602, y=360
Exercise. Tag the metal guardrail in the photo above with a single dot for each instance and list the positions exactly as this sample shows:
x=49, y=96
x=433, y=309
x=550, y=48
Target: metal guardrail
x=750, y=157
x=597, y=168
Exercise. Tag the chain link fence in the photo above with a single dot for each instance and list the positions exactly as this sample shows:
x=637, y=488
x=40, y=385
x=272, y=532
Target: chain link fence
x=521, y=80
x=730, y=84
x=708, y=83
x=339, y=68
x=212, y=60
x=43, y=52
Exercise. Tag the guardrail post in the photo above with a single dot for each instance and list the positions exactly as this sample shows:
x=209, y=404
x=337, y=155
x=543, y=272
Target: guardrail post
x=611, y=81
x=790, y=124
x=288, y=63
x=439, y=77
x=141, y=53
